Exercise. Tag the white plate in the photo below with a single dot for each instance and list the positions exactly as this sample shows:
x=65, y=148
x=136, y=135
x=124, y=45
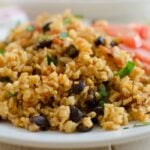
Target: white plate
x=52, y=139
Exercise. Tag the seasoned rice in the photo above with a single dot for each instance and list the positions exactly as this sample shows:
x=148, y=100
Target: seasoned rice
x=51, y=71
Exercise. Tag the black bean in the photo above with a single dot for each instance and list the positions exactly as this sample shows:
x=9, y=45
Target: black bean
x=5, y=79
x=98, y=110
x=36, y=71
x=75, y=114
x=43, y=44
x=95, y=120
x=71, y=51
x=91, y=99
x=41, y=121
x=78, y=87
x=82, y=128
x=100, y=41
x=113, y=43
x=46, y=26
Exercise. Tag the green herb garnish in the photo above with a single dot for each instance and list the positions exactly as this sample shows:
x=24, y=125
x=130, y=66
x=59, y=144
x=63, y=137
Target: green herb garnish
x=30, y=28
x=44, y=37
x=79, y=16
x=12, y=94
x=63, y=35
x=126, y=70
x=67, y=21
x=141, y=125
x=104, y=95
x=5, y=79
x=51, y=59
x=2, y=51
x=126, y=128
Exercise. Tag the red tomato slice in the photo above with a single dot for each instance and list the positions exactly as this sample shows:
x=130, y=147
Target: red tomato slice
x=117, y=30
x=142, y=30
x=140, y=53
x=143, y=55
x=146, y=45
x=127, y=35
x=132, y=41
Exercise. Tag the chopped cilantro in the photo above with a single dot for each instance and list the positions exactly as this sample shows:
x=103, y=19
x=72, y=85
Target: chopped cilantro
x=30, y=28
x=104, y=95
x=63, y=35
x=126, y=70
x=67, y=21
x=12, y=94
x=51, y=59
x=2, y=51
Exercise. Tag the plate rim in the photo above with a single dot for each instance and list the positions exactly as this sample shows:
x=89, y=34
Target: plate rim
x=119, y=137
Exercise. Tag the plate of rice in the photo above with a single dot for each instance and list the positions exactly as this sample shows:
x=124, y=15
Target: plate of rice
x=67, y=83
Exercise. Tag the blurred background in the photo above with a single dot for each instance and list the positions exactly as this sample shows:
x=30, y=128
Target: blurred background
x=113, y=10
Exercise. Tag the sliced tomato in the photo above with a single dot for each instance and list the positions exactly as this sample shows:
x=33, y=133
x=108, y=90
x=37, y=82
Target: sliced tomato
x=116, y=30
x=142, y=30
x=143, y=55
x=146, y=45
x=132, y=41
x=140, y=53
x=126, y=35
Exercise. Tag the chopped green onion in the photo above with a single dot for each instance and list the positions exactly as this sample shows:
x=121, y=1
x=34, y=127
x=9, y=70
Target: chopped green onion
x=79, y=16
x=102, y=90
x=51, y=59
x=30, y=28
x=67, y=21
x=5, y=79
x=2, y=51
x=63, y=35
x=126, y=128
x=141, y=125
x=104, y=94
x=12, y=94
x=44, y=37
x=126, y=70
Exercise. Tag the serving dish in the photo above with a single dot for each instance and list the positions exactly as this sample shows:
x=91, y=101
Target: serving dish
x=97, y=137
